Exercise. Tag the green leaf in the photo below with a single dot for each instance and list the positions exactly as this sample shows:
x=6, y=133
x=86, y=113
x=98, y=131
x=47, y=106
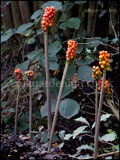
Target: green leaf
x=80, y=2
x=67, y=6
x=44, y=138
x=11, y=110
x=85, y=61
x=23, y=122
x=67, y=136
x=24, y=27
x=63, y=17
x=67, y=89
x=85, y=73
x=71, y=71
x=31, y=41
x=62, y=134
x=79, y=48
x=73, y=23
x=23, y=66
x=36, y=14
x=56, y=4
x=61, y=145
x=39, y=31
x=95, y=42
x=78, y=131
x=53, y=65
x=108, y=137
x=43, y=109
x=83, y=120
x=63, y=26
x=32, y=55
x=3, y=103
x=54, y=48
x=38, y=82
x=9, y=33
x=68, y=108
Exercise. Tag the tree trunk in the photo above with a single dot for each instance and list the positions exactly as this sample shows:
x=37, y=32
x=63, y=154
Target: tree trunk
x=7, y=15
x=112, y=16
x=16, y=13
x=25, y=11
x=35, y=5
x=91, y=17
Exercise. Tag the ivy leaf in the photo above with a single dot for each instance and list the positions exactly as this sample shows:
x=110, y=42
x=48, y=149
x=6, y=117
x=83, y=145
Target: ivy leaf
x=24, y=27
x=62, y=134
x=54, y=48
x=83, y=120
x=63, y=17
x=68, y=108
x=53, y=65
x=79, y=131
x=67, y=6
x=36, y=14
x=67, y=136
x=32, y=55
x=108, y=137
x=7, y=35
x=23, y=66
x=85, y=73
x=71, y=71
x=73, y=23
x=56, y=4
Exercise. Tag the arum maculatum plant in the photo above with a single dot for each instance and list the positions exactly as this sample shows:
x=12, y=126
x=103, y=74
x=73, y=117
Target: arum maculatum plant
x=104, y=64
x=70, y=54
x=19, y=75
x=96, y=75
x=47, y=22
x=30, y=76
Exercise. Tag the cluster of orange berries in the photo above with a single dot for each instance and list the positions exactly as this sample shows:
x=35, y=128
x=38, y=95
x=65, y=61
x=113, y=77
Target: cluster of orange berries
x=107, y=91
x=96, y=73
x=71, y=50
x=19, y=75
x=104, y=60
x=48, y=18
x=30, y=75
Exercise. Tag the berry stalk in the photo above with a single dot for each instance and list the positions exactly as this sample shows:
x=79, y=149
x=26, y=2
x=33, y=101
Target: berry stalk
x=30, y=109
x=97, y=127
x=47, y=83
x=16, y=109
x=57, y=105
x=96, y=101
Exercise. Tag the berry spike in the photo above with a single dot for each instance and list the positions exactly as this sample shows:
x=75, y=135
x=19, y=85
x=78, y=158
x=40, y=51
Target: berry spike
x=71, y=50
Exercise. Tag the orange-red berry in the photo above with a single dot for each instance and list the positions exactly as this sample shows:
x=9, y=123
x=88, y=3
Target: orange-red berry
x=71, y=50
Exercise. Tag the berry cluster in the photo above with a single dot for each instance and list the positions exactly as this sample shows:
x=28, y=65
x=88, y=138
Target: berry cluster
x=96, y=73
x=48, y=18
x=71, y=50
x=19, y=75
x=107, y=91
x=104, y=60
x=30, y=74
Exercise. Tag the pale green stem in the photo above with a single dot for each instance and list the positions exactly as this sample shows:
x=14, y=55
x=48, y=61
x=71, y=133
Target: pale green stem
x=115, y=112
x=16, y=109
x=57, y=105
x=47, y=83
x=97, y=126
x=30, y=109
x=96, y=101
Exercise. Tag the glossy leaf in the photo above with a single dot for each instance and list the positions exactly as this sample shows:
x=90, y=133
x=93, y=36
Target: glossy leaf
x=56, y=4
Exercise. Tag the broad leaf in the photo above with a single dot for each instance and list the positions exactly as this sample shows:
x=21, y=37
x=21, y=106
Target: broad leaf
x=85, y=73
x=80, y=2
x=67, y=6
x=9, y=33
x=83, y=120
x=10, y=110
x=71, y=71
x=93, y=42
x=36, y=14
x=108, y=137
x=63, y=17
x=63, y=26
x=24, y=27
x=32, y=55
x=68, y=108
x=24, y=66
x=3, y=103
x=85, y=61
x=73, y=23
x=79, y=48
x=53, y=65
x=62, y=134
x=54, y=48
x=67, y=136
x=56, y=4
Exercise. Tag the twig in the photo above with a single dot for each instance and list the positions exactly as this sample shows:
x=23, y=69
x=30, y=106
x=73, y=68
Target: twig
x=97, y=126
x=115, y=112
x=47, y=83
x=16, y=109
x=57, y=105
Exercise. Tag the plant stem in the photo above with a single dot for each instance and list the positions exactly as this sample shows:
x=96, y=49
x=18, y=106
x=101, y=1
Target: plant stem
x=96, y=101
x=47, y=83
x=97, y=126
x=30, y=109
x=57, y=105
x=115, y=112
x=16, y=109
